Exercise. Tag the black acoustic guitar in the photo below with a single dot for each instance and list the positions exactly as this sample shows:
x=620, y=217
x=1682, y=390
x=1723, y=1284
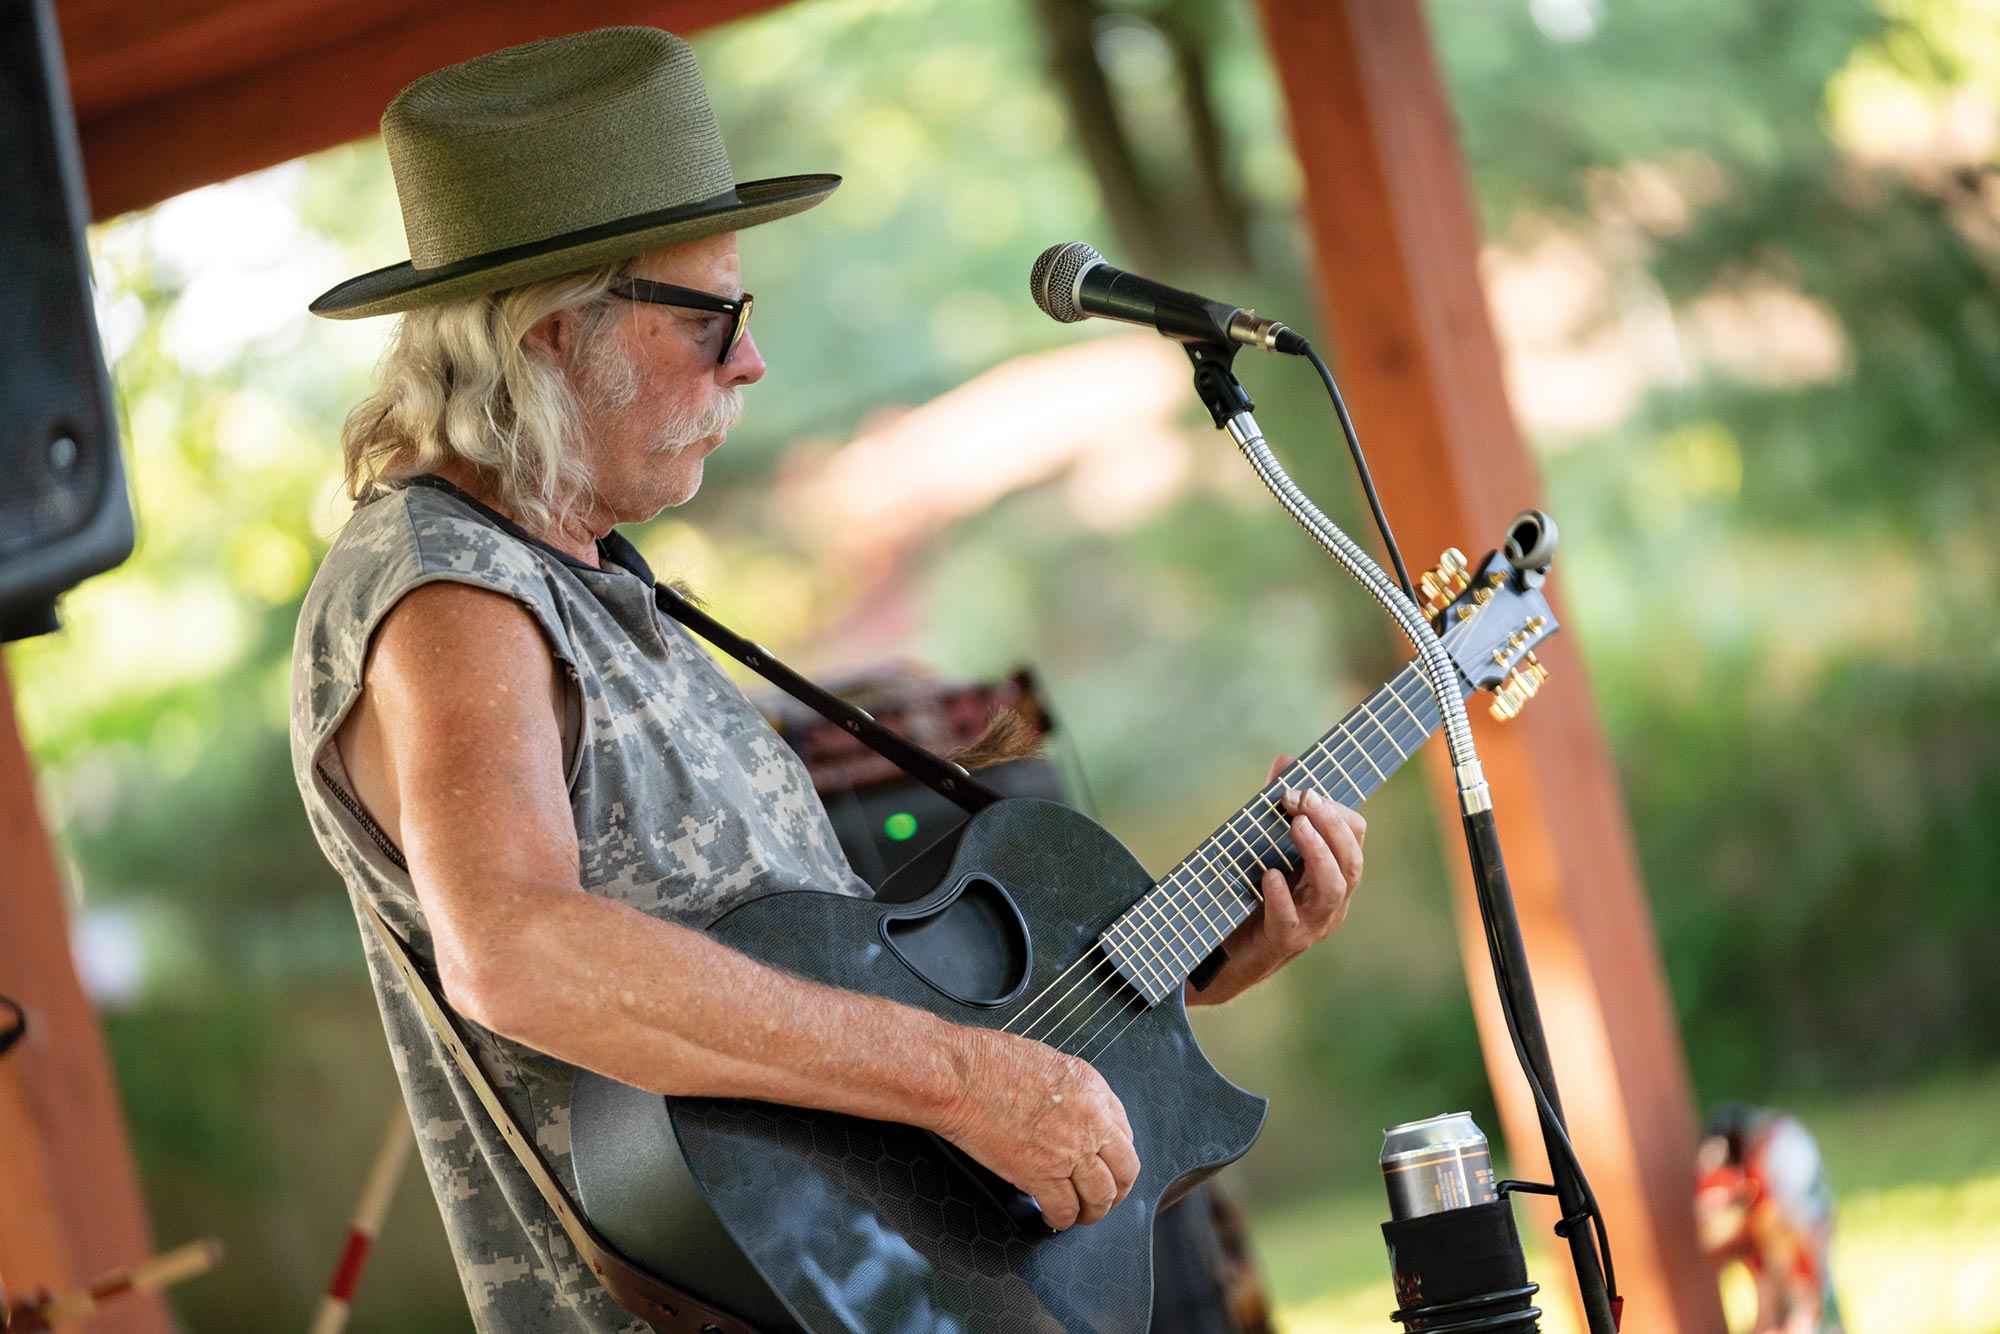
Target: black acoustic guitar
x=1038, y=922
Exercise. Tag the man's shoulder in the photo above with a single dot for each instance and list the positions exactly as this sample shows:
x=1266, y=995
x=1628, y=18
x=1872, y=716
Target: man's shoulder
x=397, y=541
x=412, y=535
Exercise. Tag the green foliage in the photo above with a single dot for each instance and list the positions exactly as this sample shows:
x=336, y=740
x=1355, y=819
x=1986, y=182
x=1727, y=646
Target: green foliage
x=1786, y=583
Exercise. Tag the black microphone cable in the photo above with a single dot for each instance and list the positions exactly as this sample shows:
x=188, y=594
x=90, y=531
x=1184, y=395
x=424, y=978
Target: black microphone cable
x=1551, y=1120
x=1305, y=350
x=1483, y=871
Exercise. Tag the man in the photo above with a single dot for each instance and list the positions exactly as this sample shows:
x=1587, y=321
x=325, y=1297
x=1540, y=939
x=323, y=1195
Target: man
x=544, y=787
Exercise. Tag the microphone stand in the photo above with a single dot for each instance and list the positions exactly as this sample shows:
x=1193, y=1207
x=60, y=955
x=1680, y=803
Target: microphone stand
x=1229, y=405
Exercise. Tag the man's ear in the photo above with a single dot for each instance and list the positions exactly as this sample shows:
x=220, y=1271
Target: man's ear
x=550, y=337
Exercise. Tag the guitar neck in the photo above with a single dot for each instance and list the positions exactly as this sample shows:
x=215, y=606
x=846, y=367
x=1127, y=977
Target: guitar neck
x=1161, y=939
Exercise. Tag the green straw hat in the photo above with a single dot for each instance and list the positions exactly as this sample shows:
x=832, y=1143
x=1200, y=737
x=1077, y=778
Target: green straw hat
x=560, y=155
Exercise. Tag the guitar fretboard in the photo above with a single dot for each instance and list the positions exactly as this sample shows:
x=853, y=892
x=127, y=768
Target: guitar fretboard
x=1160, y=939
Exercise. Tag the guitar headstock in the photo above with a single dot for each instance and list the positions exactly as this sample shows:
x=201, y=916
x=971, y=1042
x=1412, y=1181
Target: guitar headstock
x=1491, y=615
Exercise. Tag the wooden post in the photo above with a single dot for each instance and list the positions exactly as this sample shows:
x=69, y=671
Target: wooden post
x=1396, y=236
x=71, y=1195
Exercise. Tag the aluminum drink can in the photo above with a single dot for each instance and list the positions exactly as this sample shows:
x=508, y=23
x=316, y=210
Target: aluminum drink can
x=1434, y=1165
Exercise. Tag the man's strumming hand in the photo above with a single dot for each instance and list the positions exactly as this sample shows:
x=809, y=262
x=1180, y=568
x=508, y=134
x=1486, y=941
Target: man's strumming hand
x=1044, y=1121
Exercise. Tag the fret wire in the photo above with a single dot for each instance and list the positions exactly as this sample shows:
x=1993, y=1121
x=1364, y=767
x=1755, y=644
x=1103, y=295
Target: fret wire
x=1209, y=938
x=1330, y=745
x=1417, y=725
x=1334, y=782
x=1359, y=792
x=1256, y=879
x=1184, y=880
x=1313, y=763
x=1396, y=694
x=1272, y=798
x=1187, y=868
x=1326, y=748
x=1370, y=743
x=1151, y=907
x=1368, y=759
x=1199, y=887
x=1235, y=907
x=1201, y=851
x=1422, y=694
x=1169, y=901
x=1272, y=795
x=1368, y=713
x=1342, y=735
x=1188, y=895
x=1256, y=857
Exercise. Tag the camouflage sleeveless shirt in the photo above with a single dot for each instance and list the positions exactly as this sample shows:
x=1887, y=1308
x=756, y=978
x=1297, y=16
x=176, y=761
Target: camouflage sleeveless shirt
x=685, y=802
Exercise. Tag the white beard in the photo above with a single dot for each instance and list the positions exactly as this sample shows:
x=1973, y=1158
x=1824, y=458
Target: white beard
x=611, y=380
x=681, y=426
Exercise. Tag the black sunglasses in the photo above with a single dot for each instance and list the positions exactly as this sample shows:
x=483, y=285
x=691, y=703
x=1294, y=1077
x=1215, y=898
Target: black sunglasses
x=688, y=298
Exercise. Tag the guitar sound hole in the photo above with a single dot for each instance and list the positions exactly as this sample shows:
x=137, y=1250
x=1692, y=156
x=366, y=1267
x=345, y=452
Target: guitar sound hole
x=974, y=948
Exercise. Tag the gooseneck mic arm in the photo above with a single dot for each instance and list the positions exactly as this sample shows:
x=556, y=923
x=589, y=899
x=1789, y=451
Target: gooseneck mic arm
x=1582, y=1222
x=1071, y=282
x=1224, y=397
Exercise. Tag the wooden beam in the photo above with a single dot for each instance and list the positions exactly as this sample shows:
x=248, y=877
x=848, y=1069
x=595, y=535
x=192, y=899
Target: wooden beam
x=1396, y=236
x=72, y=1205
x=122, y=54
x=230, y=86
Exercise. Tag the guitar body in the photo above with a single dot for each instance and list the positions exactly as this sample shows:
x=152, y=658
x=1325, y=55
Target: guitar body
x=805, y=1220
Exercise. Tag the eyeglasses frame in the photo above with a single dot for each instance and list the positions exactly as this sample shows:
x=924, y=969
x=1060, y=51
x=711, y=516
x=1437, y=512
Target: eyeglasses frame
x=691, y=298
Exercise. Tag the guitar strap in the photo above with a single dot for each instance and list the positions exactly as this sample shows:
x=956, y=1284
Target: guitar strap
x=948, y=780
x=666, y=1308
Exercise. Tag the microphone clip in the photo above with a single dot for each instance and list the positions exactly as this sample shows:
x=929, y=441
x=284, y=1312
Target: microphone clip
x=1215, y=381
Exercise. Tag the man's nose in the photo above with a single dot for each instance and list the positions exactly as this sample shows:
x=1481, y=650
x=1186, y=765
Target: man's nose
x=745, y=364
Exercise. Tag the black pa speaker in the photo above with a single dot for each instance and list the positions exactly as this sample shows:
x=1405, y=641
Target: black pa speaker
x=64, y=514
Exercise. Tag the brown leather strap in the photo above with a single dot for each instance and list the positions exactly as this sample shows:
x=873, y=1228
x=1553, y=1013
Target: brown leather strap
x=658, y=1303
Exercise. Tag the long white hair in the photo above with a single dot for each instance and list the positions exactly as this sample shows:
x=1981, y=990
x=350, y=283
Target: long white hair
x=457, y=383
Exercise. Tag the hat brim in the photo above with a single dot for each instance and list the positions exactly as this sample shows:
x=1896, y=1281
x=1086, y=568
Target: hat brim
x=403, y=286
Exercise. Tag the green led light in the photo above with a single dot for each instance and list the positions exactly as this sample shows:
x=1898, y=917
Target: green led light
x=900, y=826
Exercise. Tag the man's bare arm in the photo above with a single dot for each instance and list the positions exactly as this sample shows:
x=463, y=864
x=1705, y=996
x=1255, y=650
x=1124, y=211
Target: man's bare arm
x=460, y=757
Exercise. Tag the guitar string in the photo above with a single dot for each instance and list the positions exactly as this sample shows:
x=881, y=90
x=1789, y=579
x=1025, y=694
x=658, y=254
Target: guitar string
x=1140, y=960
x=1090, y=1048
x=1151, y=966
x=1085, y=1046
x=1342, y=733
x=1058, y=1017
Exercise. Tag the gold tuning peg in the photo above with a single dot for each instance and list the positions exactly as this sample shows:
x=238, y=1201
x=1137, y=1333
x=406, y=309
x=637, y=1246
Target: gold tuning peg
x=1521, y=685
x=1443, y=583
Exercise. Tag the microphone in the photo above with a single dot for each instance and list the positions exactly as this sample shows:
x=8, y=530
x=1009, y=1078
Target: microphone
x=1072, y=281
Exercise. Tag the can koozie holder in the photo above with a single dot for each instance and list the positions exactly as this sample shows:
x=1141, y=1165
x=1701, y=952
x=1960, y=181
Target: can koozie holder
x=1461, y=1272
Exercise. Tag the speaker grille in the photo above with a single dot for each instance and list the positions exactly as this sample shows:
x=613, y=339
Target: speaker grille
x=59, y=466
